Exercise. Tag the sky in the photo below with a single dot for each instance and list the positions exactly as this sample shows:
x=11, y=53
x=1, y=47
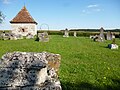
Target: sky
x=61, y=14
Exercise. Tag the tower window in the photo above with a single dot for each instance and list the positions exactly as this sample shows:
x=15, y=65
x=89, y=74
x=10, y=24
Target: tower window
x=23, y=30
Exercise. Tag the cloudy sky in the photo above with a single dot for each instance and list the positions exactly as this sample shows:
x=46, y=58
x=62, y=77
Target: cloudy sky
x=61, y=14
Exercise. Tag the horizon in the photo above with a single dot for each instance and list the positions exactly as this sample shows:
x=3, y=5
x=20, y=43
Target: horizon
x=71, y=14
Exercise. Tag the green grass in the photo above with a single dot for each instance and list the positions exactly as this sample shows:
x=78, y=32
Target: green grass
x=85, y=65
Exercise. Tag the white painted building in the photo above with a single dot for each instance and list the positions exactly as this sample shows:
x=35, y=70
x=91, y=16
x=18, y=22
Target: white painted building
x=23, y=23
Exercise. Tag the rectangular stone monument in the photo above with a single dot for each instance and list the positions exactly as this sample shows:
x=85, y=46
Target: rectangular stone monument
x=109, y=35
x=30, y=71
x=43, y=37
x=75, y=34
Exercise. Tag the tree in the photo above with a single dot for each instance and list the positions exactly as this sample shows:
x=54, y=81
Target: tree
x=2, y=17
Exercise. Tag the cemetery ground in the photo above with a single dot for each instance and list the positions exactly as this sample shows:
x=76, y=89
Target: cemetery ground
x=85, y=64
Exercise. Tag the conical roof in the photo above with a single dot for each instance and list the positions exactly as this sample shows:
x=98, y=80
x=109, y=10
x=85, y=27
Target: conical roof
x=23, y=17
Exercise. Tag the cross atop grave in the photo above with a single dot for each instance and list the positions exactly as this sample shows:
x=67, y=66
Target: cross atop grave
x=101, y=36
x=66, y=33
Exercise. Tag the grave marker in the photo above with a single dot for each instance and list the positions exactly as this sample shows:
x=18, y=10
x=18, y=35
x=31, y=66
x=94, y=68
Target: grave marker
x=75, y=34
x=109, y=35
x=113, y=45
x=43, y=37
x=101, y=37
x=66, y=33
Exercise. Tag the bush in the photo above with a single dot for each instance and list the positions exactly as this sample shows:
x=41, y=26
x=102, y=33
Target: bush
x=71, y=33
x=52, y=32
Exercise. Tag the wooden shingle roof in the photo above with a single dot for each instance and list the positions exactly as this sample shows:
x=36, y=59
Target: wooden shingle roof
x=23, y=17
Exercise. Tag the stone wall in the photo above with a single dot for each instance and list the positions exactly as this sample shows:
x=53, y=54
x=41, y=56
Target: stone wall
x=24, y=29
x=29, y=71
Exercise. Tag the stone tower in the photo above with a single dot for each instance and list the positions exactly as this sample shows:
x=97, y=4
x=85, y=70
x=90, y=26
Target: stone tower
x=23, y=23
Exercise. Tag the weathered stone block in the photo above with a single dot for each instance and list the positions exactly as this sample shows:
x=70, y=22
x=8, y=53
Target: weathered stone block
x=10, y=36
x=26, y=71
x=29, y=36
x=43, y=37
x=113, y=46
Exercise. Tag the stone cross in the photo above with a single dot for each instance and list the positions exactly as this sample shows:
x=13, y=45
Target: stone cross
x=66, y=33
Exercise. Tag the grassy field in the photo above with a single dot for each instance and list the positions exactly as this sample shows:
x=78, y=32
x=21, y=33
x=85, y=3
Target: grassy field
x=85, y=65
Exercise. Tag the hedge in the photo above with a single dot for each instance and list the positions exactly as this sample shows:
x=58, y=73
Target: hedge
x=71, y=33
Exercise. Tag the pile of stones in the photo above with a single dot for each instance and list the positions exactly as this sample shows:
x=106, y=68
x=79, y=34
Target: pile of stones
x=100, y=37
x=29, y=36
x=30, y=71
x=10, y=36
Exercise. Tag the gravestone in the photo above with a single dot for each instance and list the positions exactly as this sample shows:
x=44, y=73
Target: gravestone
x=66, y=33
x=109, y=35
x=113, y=45
x=75, y=34
x=43, y=37
x=29, y=71
x=101, y=36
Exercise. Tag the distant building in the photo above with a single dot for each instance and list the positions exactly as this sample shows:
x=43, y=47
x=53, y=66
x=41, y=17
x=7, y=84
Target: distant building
x=23, y=23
